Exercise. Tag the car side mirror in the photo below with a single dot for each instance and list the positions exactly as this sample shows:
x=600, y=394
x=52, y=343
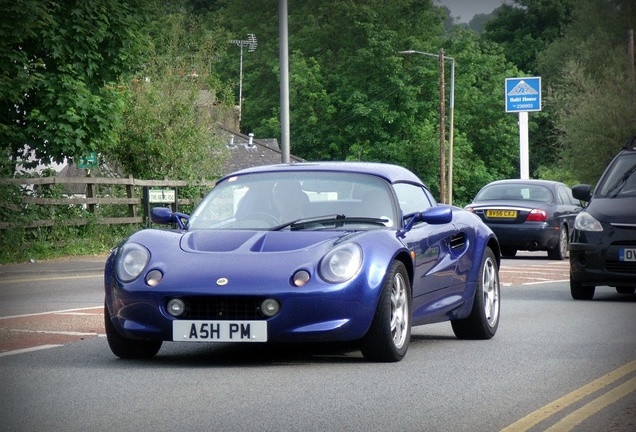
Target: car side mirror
x=161, y=215
x=437, y=215
x=165, y=216
x=582, y=192
x=434, y=215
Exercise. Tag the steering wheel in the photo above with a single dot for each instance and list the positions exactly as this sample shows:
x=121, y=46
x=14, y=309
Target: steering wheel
x=265, y=217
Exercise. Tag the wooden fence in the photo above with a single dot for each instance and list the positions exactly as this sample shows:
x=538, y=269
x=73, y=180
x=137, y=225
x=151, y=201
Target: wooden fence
x=135, y=200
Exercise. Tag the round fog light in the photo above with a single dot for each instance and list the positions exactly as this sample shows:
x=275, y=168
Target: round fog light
x=176, y=307
x=270, y=307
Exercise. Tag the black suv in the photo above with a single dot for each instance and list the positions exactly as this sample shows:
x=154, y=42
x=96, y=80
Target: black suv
x=603, y=244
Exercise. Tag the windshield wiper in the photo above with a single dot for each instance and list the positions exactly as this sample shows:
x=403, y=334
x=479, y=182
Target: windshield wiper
x=621, y=181
x=337, y=220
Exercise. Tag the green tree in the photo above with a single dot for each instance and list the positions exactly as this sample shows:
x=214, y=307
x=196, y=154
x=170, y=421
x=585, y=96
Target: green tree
x=353, y=96
x=347, y=98
x=486, y=137
x=526, y=27
x=59, y=63
x=593, y=93
x=174, y=104
x=479, y=21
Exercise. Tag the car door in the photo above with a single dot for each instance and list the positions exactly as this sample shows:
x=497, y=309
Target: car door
x=567, y=206
x=434, y=264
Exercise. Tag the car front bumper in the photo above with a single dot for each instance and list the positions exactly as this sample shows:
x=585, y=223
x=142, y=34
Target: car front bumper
x=333, y=314
x=599, y=264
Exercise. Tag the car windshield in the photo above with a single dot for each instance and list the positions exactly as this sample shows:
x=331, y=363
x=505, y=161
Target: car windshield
x=621, y=178
x=297, y=200
x=515, y=192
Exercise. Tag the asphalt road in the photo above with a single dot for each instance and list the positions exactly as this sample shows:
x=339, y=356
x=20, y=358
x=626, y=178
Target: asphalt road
x=554, y=362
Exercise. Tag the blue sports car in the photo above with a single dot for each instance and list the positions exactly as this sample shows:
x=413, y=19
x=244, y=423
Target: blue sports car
x=307, y=252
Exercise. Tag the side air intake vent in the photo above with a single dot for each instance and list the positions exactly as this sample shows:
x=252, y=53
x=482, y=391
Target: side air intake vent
x=458, y=241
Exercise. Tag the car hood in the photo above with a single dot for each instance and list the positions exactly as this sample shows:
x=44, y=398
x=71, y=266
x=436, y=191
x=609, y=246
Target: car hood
x=254, y=241
x=613, y=210
x=194, y=258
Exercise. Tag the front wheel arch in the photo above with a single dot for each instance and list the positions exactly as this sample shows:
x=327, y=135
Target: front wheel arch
x=580, y=292
x=388, y=338
x=129, y=349
x=483, y=320
x=561, y=250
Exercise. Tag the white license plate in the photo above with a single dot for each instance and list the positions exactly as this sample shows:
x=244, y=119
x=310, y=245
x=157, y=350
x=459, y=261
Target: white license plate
x=219, y=331
x=625, y=254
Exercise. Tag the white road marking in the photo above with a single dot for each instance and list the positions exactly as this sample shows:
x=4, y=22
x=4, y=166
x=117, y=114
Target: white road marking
x=26, y=350
x=56, y=332
x=52, y=312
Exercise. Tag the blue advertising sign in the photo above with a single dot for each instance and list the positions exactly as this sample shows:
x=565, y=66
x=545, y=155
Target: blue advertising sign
x=523, y=94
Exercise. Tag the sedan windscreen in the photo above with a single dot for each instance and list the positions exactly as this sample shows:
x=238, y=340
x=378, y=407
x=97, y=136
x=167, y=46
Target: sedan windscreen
x=515, y=192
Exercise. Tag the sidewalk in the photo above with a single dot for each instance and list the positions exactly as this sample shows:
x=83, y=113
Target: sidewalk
x=25, y=332
x=62, y=266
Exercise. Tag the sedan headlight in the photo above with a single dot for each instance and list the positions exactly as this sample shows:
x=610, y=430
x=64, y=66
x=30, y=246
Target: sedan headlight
x=586, y=222
x=131, y=261
x=341, y=263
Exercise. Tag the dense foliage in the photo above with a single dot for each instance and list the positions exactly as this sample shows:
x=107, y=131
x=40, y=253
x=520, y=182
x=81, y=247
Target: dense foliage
x=526, y=27
x=173, y=104
x=56, y=237
x=59, y=65
x=592, y=93
x=354, y=96
x=579, y=48
x=126, y=79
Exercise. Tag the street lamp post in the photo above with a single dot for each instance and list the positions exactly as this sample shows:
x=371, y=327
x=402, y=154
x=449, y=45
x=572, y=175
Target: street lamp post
x=443, y=57
x=283, y=59
x=251, y=43
x=442, y=128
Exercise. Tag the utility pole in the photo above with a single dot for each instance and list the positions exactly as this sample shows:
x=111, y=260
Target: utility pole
x=443, y=180
x=451, y=132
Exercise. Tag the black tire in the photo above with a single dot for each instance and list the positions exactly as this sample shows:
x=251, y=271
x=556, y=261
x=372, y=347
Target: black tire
x=130, y=349
x=561, y=250
x=626, y=290
x=580, y=292
x=390, y=333
x=483, y=321
x=507, y=252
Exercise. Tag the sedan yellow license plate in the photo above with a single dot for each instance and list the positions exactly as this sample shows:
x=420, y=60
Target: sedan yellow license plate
x=502, y=214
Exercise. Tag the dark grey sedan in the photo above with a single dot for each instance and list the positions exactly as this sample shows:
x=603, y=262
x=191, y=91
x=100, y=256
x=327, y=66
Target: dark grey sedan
x=528, y=215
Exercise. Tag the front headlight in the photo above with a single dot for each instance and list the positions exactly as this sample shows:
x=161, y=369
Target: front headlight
x=341, y=263
x=586, y=222
x=131, y=261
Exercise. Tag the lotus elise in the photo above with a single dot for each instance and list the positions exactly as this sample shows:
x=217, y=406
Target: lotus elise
x=337, y=252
